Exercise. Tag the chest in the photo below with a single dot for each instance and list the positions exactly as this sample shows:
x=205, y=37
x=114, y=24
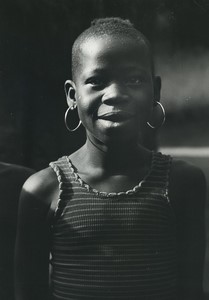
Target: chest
x=90, y=217
x=115, y=183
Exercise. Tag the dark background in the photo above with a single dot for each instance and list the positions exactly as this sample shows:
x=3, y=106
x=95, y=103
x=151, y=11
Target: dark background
x=35, y=50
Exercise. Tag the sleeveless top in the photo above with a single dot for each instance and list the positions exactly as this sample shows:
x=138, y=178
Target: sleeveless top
x=114, y=245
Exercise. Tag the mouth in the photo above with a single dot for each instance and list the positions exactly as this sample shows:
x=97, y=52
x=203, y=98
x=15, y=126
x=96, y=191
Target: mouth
x=116, y=116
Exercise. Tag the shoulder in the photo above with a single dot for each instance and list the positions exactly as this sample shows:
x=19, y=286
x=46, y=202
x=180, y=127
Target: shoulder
x=41, y=182
x=186, y=174
x=42, y=187
x=187, y=185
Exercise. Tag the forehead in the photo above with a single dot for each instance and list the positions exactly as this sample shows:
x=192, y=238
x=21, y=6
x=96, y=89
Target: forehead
x=115, y=52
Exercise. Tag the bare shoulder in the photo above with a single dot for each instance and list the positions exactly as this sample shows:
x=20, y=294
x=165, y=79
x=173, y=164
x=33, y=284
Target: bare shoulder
x=187, y=184
x=42, y=187
x=183, y=172
x=41, y=182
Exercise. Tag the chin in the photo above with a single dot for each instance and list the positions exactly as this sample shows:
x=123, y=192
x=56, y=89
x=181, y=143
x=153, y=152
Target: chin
x=118, y=139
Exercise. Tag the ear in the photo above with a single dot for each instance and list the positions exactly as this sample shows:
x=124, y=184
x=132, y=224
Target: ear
x=157, y=88
x=70, y=89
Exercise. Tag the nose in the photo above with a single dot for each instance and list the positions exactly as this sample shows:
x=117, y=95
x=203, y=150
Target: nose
x=115, y=93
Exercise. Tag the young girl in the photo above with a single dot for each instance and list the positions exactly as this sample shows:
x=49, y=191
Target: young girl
x=114, y=219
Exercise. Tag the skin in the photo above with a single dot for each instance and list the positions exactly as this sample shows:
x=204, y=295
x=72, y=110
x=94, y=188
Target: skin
x=114, y=90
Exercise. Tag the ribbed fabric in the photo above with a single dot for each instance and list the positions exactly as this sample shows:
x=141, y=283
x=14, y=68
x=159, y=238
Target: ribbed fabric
x=114, y=245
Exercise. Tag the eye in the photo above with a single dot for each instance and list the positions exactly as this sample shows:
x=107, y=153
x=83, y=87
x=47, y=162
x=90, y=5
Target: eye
x=96, y=81
x=133, y=80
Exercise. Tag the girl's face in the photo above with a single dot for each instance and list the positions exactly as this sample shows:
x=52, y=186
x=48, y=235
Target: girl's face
x=114, y=89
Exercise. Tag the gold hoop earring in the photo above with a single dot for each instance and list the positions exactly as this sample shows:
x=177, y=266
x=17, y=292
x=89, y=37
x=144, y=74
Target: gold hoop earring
x=163, y=117
x=65, y=119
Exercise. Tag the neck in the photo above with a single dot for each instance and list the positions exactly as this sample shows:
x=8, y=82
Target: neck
x=114, y=156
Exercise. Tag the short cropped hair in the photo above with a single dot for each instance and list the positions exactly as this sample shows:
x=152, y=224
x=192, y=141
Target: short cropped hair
x=113, y=26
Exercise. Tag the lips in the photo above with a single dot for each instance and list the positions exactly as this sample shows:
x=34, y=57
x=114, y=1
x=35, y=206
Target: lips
x=115, y=116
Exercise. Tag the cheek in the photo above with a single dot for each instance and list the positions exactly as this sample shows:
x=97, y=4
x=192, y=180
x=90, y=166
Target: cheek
x=144, y=102
x=85, y=110
x=87, y=103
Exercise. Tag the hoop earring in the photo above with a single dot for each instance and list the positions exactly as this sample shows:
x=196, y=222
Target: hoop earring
x=65, y=119
x=163, y=119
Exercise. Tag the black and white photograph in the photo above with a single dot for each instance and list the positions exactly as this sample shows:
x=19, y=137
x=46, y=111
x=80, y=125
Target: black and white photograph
x=104, y=149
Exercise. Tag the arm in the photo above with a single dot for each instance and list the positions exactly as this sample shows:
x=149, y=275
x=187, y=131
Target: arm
x=33, y=236
x=188, y=194
x=12, y=178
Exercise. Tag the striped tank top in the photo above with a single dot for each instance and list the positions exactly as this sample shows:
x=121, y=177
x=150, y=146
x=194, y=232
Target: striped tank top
x=114, y=245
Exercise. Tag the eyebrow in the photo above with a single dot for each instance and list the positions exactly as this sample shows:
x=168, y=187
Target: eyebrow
x=105, y=71
x=94, y=72
x=126, y=68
